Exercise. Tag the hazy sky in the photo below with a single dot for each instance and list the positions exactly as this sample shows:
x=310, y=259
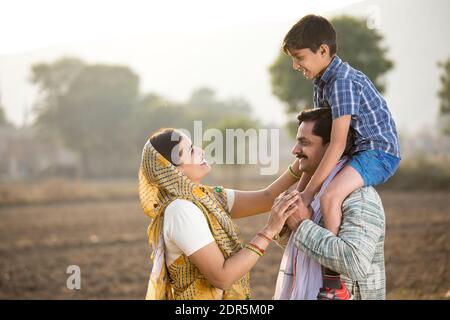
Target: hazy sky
x=177, y=46
x=27, y=25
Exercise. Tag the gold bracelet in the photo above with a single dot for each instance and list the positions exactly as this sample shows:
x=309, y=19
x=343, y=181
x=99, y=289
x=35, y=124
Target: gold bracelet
x=292, y=173
x=251, y=248
x=257, y=247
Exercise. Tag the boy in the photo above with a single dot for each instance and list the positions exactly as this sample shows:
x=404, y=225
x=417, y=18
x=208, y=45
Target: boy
x=355, y=104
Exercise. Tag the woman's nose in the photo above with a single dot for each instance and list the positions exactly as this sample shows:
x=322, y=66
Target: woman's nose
x=200, y=152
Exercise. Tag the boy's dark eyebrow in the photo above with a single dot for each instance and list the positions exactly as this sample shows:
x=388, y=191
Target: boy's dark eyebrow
x=301, y=139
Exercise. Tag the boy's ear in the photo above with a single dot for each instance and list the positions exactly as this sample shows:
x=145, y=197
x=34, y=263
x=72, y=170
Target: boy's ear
x=324, y=49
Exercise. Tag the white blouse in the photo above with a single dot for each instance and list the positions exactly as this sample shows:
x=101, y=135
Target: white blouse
x=185, y=228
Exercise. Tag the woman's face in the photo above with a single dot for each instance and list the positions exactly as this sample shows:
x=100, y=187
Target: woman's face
x=192, y=160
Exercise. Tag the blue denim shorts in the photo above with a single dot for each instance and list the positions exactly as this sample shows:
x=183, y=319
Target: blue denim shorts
x=374, y=166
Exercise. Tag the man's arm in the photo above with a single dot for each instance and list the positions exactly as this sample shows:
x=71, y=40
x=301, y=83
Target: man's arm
x=351, y=252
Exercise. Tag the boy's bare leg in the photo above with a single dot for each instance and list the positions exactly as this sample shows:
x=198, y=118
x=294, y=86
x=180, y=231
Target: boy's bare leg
x=343, y=184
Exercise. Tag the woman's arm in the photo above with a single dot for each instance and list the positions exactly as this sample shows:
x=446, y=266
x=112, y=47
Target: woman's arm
x=221, y=272
x=248, y=203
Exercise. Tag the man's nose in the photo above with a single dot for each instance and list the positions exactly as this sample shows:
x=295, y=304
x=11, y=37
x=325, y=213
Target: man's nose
x=295, y=65
x=296, y=150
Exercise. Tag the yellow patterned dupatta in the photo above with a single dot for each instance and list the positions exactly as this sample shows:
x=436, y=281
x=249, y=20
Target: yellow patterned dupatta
x=160, y=183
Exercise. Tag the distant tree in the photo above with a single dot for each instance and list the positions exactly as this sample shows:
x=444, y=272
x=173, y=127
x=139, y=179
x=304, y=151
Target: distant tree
x=96, y=110
x=153, y=112
x=204, y=105
x=444, y=95
x=358, y=45
x=88, y=107
x=53, y=81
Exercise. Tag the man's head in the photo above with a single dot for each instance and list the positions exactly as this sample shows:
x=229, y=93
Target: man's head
x=311, y=43
x=313, y=137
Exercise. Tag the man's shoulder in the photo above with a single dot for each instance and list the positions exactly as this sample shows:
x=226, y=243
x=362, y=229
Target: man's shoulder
x=366, y=198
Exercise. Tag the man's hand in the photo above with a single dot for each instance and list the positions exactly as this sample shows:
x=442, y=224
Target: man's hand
x=302, y=213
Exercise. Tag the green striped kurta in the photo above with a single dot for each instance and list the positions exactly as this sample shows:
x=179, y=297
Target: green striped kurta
x=357, y=253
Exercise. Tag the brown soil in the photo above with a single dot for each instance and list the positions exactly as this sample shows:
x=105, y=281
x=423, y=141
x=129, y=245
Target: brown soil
x=107, y=240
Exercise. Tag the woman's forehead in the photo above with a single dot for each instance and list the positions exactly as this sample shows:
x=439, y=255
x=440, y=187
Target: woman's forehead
x=185, y=141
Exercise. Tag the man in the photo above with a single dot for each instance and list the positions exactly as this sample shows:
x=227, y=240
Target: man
x=357, y=252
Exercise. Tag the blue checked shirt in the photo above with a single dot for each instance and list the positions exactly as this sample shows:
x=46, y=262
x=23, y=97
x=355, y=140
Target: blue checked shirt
x=348, y=91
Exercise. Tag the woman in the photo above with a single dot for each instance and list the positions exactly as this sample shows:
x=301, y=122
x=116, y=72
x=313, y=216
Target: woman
x=196, y=250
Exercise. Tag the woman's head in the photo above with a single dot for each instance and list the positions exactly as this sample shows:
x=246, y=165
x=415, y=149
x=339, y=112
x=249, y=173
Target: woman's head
x=177, y=148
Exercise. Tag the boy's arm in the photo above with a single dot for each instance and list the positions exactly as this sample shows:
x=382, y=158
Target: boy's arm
x=338, y=141
x=344, y=100
x=304, y=180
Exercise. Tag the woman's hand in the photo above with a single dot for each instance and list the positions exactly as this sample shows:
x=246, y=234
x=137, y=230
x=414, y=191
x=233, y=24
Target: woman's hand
x=285, y=204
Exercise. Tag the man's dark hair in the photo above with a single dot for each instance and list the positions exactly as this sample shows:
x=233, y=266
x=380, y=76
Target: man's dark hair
x=311, y=32
x=323, y=122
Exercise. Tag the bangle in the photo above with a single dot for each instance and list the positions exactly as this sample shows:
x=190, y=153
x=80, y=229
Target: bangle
x=292, y=173
x=264, y=236
x=257, y=247
x=251, y=248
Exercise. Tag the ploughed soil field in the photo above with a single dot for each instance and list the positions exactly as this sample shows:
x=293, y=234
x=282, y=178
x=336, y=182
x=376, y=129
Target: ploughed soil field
x=107, y=240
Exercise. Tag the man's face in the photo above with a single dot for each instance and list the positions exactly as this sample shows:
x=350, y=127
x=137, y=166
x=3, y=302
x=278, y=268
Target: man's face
x=309, y=63
x=309, y=148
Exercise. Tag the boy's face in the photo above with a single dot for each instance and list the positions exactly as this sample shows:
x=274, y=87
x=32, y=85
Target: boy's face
x=309, y=63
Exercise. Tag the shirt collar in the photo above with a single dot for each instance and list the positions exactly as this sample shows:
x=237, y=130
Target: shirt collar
x=330, y=70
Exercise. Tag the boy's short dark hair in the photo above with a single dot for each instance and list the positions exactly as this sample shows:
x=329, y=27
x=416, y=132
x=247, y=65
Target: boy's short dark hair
x=323, y=122
x=311, y=32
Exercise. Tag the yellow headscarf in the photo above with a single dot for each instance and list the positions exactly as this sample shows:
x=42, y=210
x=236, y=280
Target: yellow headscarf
x=160, y=183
